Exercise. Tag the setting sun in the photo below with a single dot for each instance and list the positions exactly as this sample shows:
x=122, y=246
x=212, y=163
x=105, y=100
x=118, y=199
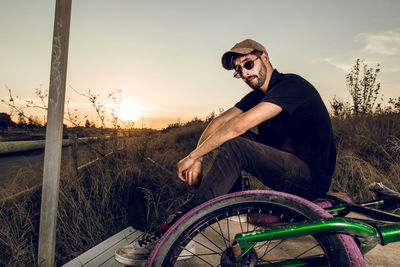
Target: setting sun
x=130, y=112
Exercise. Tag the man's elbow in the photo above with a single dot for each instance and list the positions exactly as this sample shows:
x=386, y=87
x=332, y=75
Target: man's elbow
x=239, y=127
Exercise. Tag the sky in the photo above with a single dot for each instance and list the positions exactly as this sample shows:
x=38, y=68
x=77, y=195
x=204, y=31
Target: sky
x=165, y=56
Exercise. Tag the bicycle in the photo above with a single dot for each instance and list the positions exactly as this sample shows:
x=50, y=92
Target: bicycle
x=293, y=232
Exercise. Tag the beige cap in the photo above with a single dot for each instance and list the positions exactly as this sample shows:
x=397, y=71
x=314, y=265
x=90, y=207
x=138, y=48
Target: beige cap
x=244, y=47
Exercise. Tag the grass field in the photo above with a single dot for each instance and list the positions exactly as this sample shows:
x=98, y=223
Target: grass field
x=137, y=186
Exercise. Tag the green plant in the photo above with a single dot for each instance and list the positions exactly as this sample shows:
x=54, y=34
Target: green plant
x=363, y=89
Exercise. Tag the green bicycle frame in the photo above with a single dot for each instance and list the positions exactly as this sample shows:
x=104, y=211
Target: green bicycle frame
x=369, y=235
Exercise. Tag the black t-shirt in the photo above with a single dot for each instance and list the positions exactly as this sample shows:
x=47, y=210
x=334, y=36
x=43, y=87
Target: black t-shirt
x=303, y=128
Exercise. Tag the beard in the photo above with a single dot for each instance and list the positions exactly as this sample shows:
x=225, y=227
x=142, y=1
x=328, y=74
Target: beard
x=261, y=77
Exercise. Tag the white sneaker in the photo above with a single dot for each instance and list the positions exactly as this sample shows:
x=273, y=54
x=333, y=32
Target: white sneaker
x=137, y=253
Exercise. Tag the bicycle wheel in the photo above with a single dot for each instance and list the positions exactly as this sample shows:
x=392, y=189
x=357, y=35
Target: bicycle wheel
x=212, y=225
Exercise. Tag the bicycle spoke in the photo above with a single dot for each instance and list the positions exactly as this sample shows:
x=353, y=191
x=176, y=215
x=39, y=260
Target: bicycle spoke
x=266, y=248
x=298, y=256
x=211, y=241
x=223, y=237
x=247, y=219
x=201, y=244
x=238, y=215
x=199, y=255
x=227, y=223
x=277, y=245
x=202, y=259
x=220, y=234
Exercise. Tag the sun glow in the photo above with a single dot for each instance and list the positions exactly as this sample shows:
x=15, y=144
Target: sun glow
x=130, y=112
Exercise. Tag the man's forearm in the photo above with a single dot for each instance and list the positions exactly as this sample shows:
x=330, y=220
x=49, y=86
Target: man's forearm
x=210, y=139
x=211, y=127
x=215, y=138
x=235, y=126
x=218, y=122
x=232, y=125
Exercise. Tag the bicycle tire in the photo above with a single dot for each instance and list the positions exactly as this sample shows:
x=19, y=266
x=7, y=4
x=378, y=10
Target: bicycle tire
x=339, y=249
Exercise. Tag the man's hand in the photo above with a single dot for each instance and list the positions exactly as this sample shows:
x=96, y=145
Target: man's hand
x=190, y=171
x=194, y=175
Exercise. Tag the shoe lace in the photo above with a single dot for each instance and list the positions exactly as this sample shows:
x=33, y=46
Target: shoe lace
x=148, y=238
x=154, y=236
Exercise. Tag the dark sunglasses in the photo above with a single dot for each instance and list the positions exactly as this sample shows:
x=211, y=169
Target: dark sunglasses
x=248, y=65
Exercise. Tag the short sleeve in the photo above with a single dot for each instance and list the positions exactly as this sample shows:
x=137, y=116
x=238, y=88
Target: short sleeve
x=289, y=95
x=250, y=100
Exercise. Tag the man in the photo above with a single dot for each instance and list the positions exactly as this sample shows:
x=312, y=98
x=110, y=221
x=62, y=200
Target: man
x=294, y=150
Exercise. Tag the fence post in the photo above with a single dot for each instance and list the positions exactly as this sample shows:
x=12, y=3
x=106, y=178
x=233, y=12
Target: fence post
x=54, y=129
x=73, y=154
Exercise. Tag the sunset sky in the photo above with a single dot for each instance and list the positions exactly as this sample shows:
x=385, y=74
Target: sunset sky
x=165, y=55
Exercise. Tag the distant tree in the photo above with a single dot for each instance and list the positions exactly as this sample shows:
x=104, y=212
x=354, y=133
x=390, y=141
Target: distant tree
x=87, y=124
x=194, y=121
x=211, y=116
x=5, y=121
x=363, y=87
x=21, y=120
x=339, y=107
x=33, y=122
x=394, y=104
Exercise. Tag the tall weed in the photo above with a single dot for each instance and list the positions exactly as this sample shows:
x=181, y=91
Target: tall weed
x=128, y=189
x=368, y=151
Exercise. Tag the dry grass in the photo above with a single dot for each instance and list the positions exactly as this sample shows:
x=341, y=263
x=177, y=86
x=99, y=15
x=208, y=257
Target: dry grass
x=127, y=189
x=119, y=191
x=368, y=151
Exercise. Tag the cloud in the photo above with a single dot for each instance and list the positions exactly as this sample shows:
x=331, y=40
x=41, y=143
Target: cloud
x=384, y=43
x=343, y=64
x=378, y=47
x=346, y=63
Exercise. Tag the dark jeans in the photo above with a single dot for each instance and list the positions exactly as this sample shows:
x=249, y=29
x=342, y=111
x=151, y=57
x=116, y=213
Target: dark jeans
x=277, y=169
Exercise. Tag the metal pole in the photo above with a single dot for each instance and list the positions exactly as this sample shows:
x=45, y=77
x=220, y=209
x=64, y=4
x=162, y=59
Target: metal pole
x=54, y=129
